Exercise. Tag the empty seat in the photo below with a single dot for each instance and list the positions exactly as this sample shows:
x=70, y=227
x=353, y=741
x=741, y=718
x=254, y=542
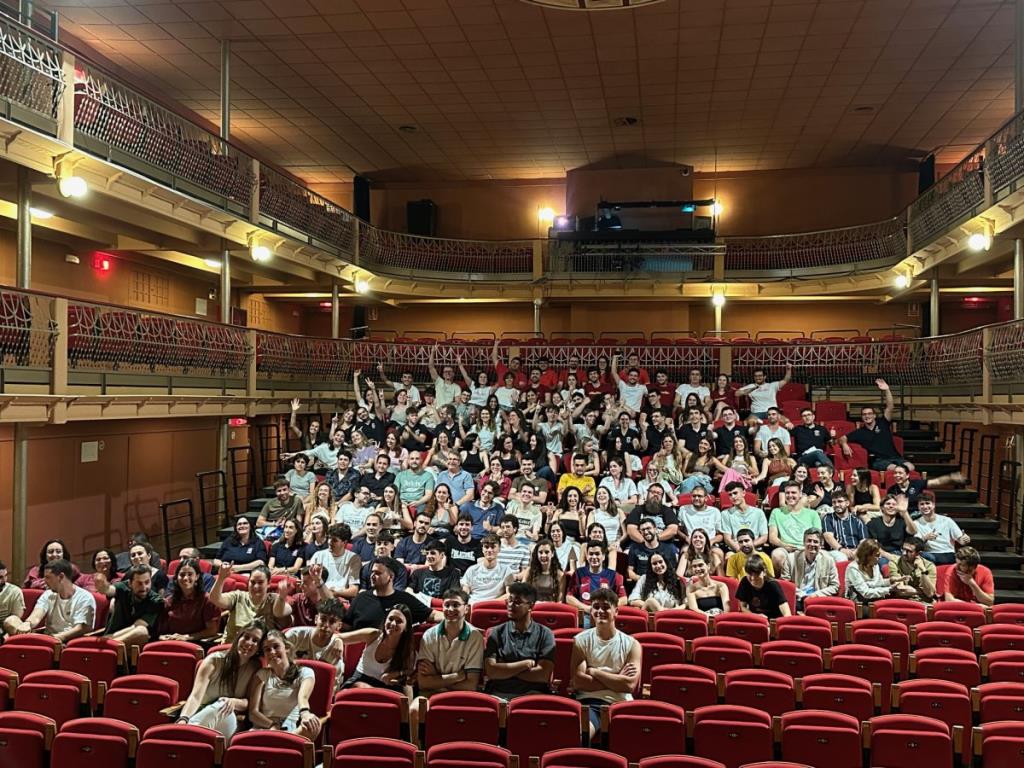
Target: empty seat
x=631, y=620
x=679, y=761
x=682, y=623
x=752, y=627
x=909, y=741
x=721, y=653
x=173, y=659
x=805, y=629
x=101, y=659
x=359, y=712
x=556, y=615
x=907, y=612
x=658, y=649
x=1000, y=744
x=173, y=745
x=835, y=610
x=645, y=728
x=95, y=738
x=942, y=634
x=454, y=714
x=820, y=737
x=971, y=614
x=1001, y=637
x=893, y=636
x=582, y=758
x=375, y=753
x=489, y=613
x=25, y=654
x=139, y=699
x=58, y=701
x=685, y=685
x=540, y=723
x=24, y=739
x=947, y=664
x=732, y=735
x=792, y=657
x=999, y=701
x=1007, y=613
x=1003, y=666
x=763, y=689
x=943, y=700
x=269, y=749
x=466, y=754
x=849, y=694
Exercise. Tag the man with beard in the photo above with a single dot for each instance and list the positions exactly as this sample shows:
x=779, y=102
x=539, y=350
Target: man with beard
x=664, y=517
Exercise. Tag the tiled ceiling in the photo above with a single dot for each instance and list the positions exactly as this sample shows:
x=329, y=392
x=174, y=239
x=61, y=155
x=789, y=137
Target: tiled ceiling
x=506, y=89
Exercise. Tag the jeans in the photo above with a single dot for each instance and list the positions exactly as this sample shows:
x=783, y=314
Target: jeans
x=940, y=558
x=880, y=463
x=694, y=481
x=814, y=458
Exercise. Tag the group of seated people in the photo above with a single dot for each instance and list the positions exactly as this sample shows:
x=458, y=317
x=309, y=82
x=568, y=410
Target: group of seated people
x=371, y=534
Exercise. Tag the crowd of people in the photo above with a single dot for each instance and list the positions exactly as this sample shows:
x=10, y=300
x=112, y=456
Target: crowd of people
x=596, y=488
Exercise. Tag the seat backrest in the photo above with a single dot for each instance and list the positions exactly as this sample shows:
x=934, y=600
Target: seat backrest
x=582, y=758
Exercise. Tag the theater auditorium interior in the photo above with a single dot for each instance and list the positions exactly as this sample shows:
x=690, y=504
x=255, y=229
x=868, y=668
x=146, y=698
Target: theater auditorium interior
x=512, y=383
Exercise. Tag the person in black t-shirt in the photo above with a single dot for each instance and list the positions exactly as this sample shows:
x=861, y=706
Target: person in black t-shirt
x=665, y=518
x=415, y=436
x=653, y=434
x=438, y=577
x=875, y=436
x=810, y=441
x=728, y=431
x=369, y=608
x=694, y=430
x=760, y=593
x=892, y=527
x=463, y=549
x=910, y=488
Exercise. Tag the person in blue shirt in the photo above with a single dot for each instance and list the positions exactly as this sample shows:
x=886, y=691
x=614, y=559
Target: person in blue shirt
x=458, y=480
x=485, y=511
x=364, y=545
x=592, y=577
x=410, y=549
x=243, y=548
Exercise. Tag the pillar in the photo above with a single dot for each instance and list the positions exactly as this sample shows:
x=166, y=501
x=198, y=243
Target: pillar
x=19, y=517
x=1018, y=279
x=718, y=319
x=934, y=307
x=335, y=312
x=24, y=270
x=536, y=316
x=225, y=288
x=225, y=89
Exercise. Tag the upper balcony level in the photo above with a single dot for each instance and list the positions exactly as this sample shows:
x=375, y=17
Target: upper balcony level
x=60, y=112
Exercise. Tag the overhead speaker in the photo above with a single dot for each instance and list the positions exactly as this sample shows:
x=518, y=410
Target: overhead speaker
x=361, y=197
x=421, y=217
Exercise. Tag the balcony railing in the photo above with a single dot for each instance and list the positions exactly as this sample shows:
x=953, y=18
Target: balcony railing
x=117, y=123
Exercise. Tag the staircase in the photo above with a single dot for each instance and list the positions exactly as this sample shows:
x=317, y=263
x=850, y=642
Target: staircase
x=923, y=446
x=210, y=550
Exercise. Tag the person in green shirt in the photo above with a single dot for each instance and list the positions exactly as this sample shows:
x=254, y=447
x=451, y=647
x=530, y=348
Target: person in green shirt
x=787, y=524
x=415, y=485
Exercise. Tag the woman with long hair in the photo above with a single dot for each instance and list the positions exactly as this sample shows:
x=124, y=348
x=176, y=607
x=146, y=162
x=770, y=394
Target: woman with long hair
x=300, y=479
x=777, y=465
x=722, y=396
x=620, y=485
x=394, y=516
x=865, y=496
x=652, y=476
x=698, y=468
x=279, y=693
x=399, y=407
x=243, y=548
x=495, y=474
x=596, y=532
x=740, y=466
x=397, y=454
x=144, y=554
x=443, y=512
x=671, y=458
x=288, y=554
x=700, y=548
x=485, y=429
x=571, y=514
x=320, y=501
x=544, y=574
x=221, y=688
x=608, y=515
x=692, y=401
x=387, y=659
x=474, y=458
x=53, y=549
x=659, y=588
x=536, y=448
x=315, y=534
x=514, y=424
x=103, y=562
x=188, y=612
x=864, y=580
x=509, y=455
x=703, y=593
x=566, y=550
x=437, y=457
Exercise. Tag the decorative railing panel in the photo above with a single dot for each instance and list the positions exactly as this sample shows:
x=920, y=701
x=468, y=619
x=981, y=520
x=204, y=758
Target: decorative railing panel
x=1005, y=353
x=950, y=201
x=629, y=257
x=30, y=70
x=119, y=118
x=300, y=209
x=390, y=252
x=110, y=338
x=27, y=329
x=281, y=355
x=1004, y=156
x=884, y=242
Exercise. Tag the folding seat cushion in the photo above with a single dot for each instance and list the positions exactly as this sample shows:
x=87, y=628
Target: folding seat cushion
x=1002, y=744
x=820, y=737
x=910, y=741
x=85, y=750
x=453, y=714
x=644, y=728
x=722, y=653
x=467, y=754
x=268, y=749
x=732, y=735
x=999, y=701
x=540, y=723
x=792, y=657
x=376, y=712
x=582, y=758
x=375, y=753
x=849, y=694
x=804, y=629
x=686, y=685
x=763, y=689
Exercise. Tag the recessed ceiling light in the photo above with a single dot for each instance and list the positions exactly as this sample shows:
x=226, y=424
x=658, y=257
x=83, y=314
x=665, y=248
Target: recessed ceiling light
x=626, y=121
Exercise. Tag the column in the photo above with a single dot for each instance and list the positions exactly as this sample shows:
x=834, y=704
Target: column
x=225, y=89
x=19, y=518
x=1018, y=279
x=225, y=287
x=335, y=312
x=536, y=316
x=934, y=307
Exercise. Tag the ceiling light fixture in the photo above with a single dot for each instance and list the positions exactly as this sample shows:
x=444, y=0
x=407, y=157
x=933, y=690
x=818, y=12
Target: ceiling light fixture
x=546, y=215
x=72, y=186
x=362, y=286
x=979, y=242
x=902, y=281
x=718, y=299
x=260, y=253
x=717, y=208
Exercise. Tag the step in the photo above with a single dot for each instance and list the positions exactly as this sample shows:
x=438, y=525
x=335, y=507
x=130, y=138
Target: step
x=1001, y=560
x=210, y=551
x=963, y=509
x=1010, y=596
x=973, y=525
x=958, y=495
x=922, y=445
x=1008, y=578
x=256, y=505
x=936, y=469
x=918, y=434
x=934, y=457
x=990, y=543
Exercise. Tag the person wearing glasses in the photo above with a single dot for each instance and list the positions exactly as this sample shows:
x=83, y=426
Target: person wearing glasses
x=519, y=656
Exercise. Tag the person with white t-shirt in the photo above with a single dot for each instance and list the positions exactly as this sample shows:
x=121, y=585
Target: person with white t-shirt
x=605, y=661
x=631, y=391
x=354, y=513
x=939, y=532
x=320, y=642
x=693, y=387
x=487, y=579
x=340, y=565
x=763, y=393
x=698, y=514
x=67, y=610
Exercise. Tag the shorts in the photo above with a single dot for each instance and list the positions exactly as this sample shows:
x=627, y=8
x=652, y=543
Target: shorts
x=373, y=682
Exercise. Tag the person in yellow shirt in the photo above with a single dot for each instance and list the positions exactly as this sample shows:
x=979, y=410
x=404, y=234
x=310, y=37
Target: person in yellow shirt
x=734, y=566
x=576, y=479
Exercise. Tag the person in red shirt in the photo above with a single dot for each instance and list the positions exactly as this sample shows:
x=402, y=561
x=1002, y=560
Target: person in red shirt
x=514, y=367
x=574, y=369
x=549, y=377
x=633, y=361
x=969, y=581
x=664, y=388
x=594, y=388
x=533, y=384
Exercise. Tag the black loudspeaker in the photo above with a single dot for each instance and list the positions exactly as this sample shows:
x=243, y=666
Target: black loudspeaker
x=421, y=217
x=361, y=197
x=925, y=173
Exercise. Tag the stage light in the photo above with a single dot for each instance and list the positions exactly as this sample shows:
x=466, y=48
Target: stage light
x=72, y=186
x=260, y=253
x=39, y=213
x=546, y=215
x=362, y=286
x=979, y=242
x=212, y=263
x=902, y=281
x=718, y=299
x=717, y=208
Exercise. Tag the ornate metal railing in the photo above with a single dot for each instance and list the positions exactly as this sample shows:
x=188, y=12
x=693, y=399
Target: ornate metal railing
x=630, y=257
x=110, y=338
x=1005, y=353
x=950, y=201
x=1004, y=157
x=30, y=73
x=123, y=126
x=310, y=216
x=286, y=356
x=394, y=252
x=27, y=329
x=877, y=244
